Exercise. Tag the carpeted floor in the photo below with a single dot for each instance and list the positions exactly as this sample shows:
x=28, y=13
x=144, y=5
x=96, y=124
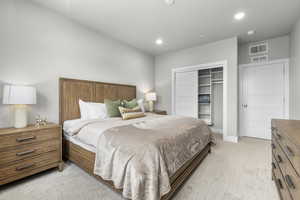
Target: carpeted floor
x=231, y=172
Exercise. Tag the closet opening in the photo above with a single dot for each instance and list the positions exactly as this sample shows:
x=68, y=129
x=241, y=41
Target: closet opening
x=210, y=97
x=201, y=92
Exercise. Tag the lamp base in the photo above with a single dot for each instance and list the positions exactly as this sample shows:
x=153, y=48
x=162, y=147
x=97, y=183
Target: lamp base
x=20, y=116
x=151, y=106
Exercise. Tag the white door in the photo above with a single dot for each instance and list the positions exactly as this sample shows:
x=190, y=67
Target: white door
x=262, y=90
x=186, y=90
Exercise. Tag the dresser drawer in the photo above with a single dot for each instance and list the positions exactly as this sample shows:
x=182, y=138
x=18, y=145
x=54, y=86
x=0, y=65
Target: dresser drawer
x=292, y=180
x=291, y=151
x=279, y=181
x=28, y=137
x=279, y=155
x=27, y=165
x=27, y=151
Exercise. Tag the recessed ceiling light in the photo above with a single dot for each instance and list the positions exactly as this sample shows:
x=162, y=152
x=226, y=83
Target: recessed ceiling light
x=251, y=32
x=169, y=2
x=159, y=41
x=239, y=16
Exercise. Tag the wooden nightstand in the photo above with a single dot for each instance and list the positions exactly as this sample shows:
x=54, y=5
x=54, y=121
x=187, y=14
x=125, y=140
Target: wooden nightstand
x=27, y=151
x=160, y=112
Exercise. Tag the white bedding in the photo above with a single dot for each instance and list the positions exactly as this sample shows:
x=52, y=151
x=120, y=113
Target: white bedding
x=89, y=135
x=80, y=143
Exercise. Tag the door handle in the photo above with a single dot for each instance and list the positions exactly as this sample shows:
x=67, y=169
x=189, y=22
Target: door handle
x=290, y=182
x=26, y=139
x=279, y=159
x=25, y=152
x=20, y=168
x=279, y=183
x=244, y=105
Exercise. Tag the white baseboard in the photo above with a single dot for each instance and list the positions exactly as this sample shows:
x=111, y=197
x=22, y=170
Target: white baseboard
x=233, y=139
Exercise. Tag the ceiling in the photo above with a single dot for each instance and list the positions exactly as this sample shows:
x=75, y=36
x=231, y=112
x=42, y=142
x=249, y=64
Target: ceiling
x=185, y=24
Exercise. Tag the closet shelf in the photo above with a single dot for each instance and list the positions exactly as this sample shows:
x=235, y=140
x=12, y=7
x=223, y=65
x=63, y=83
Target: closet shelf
x=216, y=72
x=208, y=103
x=204, y=76
x=216, y=80
x=204, y=85
x=204, y=94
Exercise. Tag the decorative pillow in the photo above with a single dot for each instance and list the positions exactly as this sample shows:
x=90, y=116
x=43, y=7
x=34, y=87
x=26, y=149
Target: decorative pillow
x=112, y=107
x=141, y=104
x=130, y=104
x=128, y=113
x=91, y=110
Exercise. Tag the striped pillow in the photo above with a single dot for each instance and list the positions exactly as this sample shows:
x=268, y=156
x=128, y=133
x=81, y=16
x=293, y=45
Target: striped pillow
x=128, y=113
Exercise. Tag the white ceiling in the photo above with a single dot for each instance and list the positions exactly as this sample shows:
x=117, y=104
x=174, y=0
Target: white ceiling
x=140, y=22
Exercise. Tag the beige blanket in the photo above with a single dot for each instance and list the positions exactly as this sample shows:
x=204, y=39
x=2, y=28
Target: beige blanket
x=140, y=158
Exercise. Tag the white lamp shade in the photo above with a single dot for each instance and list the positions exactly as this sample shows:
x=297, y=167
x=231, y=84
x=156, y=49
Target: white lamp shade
x=151, y=96
x=14, y=94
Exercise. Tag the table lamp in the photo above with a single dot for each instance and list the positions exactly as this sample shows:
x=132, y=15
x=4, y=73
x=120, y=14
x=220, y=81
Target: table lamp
x=151, y=97
x=19, y=96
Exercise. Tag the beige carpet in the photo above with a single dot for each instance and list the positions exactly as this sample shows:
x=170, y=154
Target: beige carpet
x=231, y=172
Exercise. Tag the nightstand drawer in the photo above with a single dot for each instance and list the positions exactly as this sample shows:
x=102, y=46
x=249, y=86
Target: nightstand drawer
x=27, y=165
x=28, y=137
x=27, y=151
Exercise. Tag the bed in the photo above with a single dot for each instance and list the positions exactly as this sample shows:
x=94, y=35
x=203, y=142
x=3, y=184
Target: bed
x=71, y=91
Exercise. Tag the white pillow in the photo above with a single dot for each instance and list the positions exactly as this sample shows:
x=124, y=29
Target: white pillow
x=90, y=110
x=141, y=104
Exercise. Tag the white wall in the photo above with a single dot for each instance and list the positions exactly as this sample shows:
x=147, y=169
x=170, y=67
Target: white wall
x=279, y=48
x=295, y=72
x=37, y=46
x=218, y=51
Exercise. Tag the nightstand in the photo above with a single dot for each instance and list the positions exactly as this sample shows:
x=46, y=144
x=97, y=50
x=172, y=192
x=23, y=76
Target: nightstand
x=27, y=151
x=159, y=112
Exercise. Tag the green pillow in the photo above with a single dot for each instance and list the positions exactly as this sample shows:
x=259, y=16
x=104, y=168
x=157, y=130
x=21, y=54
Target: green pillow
x=130, y=104
x=112, y=107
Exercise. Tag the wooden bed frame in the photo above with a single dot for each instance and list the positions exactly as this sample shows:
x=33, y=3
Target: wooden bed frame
x=71, y=90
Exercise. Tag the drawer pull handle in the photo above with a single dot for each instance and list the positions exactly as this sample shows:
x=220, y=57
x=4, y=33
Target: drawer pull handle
x=279, y=183
x=278, y=136
x=24, y=167
x=273, y=165
x=273, y=146
x=289, y=150
x=25, y=152
x=289, y=181
x=25, y=139
x=279, y=158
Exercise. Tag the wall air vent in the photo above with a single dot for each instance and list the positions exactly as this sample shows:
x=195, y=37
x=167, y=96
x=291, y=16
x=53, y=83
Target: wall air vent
x=258, y=48
x=259, y=59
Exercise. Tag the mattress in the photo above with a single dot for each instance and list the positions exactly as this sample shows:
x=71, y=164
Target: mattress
x=80, y=143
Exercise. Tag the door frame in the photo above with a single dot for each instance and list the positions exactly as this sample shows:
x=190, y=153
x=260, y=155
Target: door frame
x=223, y=64
x=286, y=63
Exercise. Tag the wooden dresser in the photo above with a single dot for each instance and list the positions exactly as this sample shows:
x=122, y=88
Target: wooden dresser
x=29, y=150
x=286, y=158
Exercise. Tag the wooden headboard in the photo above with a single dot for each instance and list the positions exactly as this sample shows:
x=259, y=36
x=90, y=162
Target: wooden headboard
x=71, y=90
